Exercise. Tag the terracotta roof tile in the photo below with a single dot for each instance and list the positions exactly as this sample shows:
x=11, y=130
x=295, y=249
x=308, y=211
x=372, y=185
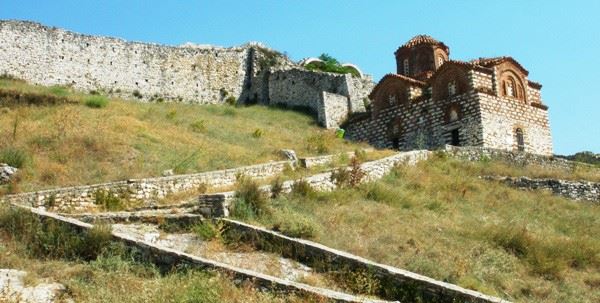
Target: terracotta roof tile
x=423, y=39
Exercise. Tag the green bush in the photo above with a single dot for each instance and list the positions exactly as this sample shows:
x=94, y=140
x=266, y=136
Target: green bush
x=249, y=192
x=107, y=200
x=331, y=65
x=294, y=224
x=276, y=187
x=13, y=157
x=257, y=133
x=205, y=230
x=51, y=239
x=198, y=126
x=59, y=91
x=302, y=188
x=231, y=100
x=242, y=210
x=136, y=93
x=317, y=143
x=96, y=101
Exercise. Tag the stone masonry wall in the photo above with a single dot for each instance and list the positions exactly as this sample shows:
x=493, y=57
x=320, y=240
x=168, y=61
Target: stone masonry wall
x=587, y=191
x=333, y=109
x=302, y=88
x=51, y=56
x=502, y=116
x=143, y=189
x=420, y=123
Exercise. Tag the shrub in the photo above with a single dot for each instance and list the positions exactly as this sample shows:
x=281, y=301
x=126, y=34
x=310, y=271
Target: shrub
x=199, y=126
x=242, y=210
x=317, y=143
x=231, y=100
x=136, y=93
x=205, y=230
x=294, y=224
x=341, y=177
x=302, y=188
x=13, y=157
x=276, y=187
x=331, y=65
x=356, y=173
x=48, y=238
x=249, y=191
x=257, y=133
x=59, y=91
x=96, y=101
x=171, y=114
x=360, y=281
x=107, y=200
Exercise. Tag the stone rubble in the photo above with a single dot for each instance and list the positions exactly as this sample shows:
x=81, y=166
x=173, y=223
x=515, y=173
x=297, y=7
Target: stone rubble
x=13, y=289
x=6, y=173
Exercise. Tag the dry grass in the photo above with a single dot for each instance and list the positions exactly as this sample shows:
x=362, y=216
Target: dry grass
x=72, y=144
x=111, y=275
x=579, y=171
x=439, y=219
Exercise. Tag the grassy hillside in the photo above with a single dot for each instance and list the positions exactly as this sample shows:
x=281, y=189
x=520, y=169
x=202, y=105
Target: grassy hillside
x=81, y=139
x=439, y=219
x=95, y=270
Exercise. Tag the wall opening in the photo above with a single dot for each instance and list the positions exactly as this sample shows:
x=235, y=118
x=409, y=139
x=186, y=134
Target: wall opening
x=455, y=137
x=520, y=139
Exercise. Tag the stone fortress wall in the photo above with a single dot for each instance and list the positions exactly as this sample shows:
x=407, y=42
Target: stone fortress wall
x=190, y=73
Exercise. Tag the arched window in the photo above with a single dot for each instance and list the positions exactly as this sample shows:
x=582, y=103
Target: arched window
x=440, y=60
x=510, y=88
x=392, y=99
x=405, y=66
x=453, y=115
x=451, y=88
x=520, y=93
x=520, y=139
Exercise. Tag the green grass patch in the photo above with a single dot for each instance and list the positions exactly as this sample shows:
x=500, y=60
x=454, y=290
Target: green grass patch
x=96, y=101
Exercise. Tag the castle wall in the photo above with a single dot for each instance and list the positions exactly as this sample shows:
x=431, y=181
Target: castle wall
x=502, y=116
x=302, y=88
x=332, y=110
x=51, y=56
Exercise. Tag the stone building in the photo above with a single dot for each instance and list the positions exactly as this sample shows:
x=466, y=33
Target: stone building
x=433, y=100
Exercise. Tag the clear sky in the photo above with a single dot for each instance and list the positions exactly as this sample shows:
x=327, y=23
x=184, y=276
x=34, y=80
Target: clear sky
x=557, y=41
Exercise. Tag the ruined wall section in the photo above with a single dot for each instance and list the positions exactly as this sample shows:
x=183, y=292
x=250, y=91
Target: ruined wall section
x=301, y=88
x=51, y=56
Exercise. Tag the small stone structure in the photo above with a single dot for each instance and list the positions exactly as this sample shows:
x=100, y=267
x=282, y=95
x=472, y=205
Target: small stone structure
x=6, y=173
x=251, y=73
x=576, y=190
x=431, y=101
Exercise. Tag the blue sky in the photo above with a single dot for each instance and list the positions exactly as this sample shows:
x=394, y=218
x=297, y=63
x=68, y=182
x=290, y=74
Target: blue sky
x=557, y=41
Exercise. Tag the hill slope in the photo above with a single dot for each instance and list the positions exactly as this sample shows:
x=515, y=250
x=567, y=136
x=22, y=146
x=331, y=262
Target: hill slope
x=69, y=143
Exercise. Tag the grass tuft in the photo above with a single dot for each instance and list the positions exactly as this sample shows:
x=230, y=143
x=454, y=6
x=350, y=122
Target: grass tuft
x=96, y=102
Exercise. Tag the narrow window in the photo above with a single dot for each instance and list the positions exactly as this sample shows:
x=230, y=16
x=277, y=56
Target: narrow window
x=451, y=88
x=510, y=88
x=406, y=67
x=520, y=139
x=440, y=61
x=455, y=137
x=453, y=115
x=392, y=99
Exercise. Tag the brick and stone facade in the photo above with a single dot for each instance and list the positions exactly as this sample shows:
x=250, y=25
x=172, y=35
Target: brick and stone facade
x=432, y=101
